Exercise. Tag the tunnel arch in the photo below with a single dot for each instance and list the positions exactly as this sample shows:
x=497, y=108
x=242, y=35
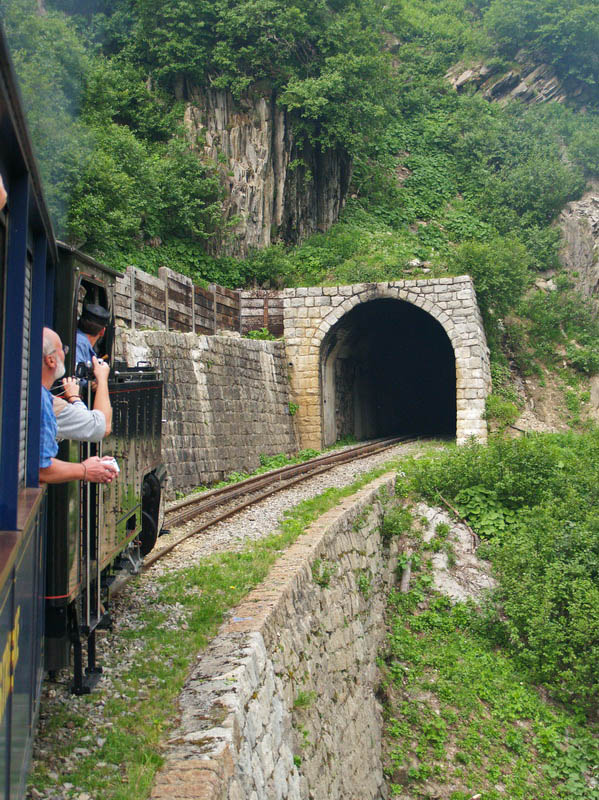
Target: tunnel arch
x=310, y=313
x=387, y=367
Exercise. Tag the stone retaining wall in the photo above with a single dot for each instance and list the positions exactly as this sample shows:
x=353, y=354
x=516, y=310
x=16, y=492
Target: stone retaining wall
x=226, y=401
x=305, y=316
x=281, y=704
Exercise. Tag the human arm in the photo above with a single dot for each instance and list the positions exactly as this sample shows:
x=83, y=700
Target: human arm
x=76, y=422
x=102, y=398
x=94, y=470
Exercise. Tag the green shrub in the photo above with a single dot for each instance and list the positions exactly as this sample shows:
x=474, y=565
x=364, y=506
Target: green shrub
x=397, y=520
x=262, y=334
x=535, y=501
x=500, y=412
x=499, y=269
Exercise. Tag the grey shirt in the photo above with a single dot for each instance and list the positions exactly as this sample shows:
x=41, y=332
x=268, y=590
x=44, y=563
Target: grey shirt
x=75, y=421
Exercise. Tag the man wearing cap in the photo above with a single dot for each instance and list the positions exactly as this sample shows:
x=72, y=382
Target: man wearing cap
x=90, y=329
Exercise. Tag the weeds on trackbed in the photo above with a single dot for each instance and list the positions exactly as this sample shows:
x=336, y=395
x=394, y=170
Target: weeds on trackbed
x=268, y=463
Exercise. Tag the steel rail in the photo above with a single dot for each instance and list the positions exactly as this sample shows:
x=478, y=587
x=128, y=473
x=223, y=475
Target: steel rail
x=260, y=487
x=188, y=508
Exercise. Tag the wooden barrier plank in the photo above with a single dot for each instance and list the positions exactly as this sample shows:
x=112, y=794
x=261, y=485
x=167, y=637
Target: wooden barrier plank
x=145, y=292
x=225, y=322
x=144, y=309
x=178, y=320
x=180, y=296
x=227, y=301
x=232, y=293
x=230, y=312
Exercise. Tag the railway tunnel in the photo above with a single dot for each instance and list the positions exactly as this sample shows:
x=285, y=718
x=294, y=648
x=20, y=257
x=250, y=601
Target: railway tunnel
x=387, y=367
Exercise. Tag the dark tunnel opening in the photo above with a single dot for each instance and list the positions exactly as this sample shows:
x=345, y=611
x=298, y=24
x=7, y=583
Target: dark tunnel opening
x=387, y=368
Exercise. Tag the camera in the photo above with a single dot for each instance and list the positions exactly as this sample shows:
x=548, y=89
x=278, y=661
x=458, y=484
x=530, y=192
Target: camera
x=84, y=371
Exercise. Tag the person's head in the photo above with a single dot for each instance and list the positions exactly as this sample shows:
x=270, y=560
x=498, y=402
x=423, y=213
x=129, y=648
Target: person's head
x=93, y=321
x=53, y=354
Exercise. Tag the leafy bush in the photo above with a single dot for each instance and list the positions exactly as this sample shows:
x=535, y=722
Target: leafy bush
x=498, y=269
x=262, y=334
x=561, y=32
x=397, y=520
x=536, y=500
x=563, y=326
x=500, y=411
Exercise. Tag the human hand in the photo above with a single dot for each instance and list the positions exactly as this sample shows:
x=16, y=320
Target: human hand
x=3, y=195
x=99, y=470
x=101, y=370
x=70, y=388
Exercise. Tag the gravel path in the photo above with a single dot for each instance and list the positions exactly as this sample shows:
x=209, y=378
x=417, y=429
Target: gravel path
x=115, y=655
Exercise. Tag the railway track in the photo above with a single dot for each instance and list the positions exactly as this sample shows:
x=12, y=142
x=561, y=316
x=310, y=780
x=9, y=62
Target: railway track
x=216, y=505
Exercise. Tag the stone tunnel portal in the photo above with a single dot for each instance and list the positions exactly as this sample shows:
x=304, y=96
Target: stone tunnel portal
x=387, y=367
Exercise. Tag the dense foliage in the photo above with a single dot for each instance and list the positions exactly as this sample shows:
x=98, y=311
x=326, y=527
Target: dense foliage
x=534, y=501
x=105, y=81
x=444, y=182
x=560, y=32
x=463, y=719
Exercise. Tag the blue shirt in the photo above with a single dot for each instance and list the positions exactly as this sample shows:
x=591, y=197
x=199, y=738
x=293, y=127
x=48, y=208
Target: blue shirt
x=48, y=443
x=84, y=351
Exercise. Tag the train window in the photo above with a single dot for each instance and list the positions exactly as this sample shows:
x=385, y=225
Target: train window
x=90, y=292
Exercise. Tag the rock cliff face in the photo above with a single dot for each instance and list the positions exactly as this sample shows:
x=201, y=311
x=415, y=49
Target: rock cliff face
x=526, y=81
x=275, y=191
x=579, y=222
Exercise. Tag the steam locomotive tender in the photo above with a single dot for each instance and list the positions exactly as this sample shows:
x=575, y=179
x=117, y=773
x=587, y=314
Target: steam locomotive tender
x=60, y=546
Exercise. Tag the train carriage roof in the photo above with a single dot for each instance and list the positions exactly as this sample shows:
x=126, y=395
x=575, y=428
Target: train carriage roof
x=83, y=258
x=17, y=151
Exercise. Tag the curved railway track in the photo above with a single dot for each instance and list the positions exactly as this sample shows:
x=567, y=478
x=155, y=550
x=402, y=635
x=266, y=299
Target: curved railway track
x=236, y=497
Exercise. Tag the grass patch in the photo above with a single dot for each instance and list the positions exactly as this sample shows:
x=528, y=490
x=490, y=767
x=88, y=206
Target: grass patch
x=124, y=753
x=463, y=719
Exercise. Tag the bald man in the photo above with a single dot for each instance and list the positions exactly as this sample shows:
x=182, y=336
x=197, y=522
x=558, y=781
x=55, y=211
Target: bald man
x=52, y=469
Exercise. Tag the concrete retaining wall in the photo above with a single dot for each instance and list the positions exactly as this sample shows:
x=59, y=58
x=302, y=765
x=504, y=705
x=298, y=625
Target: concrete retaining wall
x=226, y=401
x=281, y=704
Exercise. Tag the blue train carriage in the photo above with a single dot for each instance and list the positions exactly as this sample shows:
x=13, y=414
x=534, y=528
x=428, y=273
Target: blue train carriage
x=95, y=530
x=27, y=261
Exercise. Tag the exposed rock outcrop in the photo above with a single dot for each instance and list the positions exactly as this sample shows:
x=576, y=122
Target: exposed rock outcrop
x=526, y=81
x=275, y=192
x=579, y=222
